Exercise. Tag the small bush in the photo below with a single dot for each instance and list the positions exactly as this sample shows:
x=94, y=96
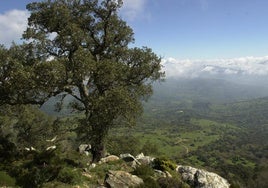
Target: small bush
x=144, y=171
x=36, y=176
x=6, y=180
x=149, y=182
x=234, y=185
x=69, y=176
x=123, y=144
x=164, y=164
x=101, y=170
x=150, y=148
x=36, y=170
x=169, y=183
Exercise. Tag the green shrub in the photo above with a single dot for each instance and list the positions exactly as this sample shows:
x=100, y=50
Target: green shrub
x=57, y=185
x=6, y=180
x=234, y=185
x=101, y=170
x=36, y=176
x=150, y=148
x=123, y=144
x=143, y=171
x=149, y=182
x=69, y=176
x=164, y=164
x=169, y=183
x=36, y=170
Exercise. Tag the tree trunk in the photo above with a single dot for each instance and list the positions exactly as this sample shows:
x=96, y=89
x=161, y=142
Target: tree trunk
x=98, y=149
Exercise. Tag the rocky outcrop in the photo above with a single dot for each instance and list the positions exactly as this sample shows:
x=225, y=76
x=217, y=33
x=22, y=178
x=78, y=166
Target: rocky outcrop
x=109, y=159
x=145, y=160
x=130, y=159
x=122, y=179
x=194, y=177
x=201, y=179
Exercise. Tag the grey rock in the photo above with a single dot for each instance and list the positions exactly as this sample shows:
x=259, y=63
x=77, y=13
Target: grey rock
x=127, y=157
x=162, y=174
x=131, y=159
x=201, y=178
x=122, y=179
x=84, y=148
x=109, y=158
x=140, y=156
x=146, y=160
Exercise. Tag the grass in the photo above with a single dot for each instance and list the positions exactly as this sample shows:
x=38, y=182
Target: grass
x=6, y=180
x=242, y=161
x=99, y=172
x=176, y=140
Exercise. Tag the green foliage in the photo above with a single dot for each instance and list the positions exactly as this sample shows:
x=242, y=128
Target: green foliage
x=69, y=175
x=164, y=164
x=147, y=174
x=171, y=183
x=83, y=52
x=8, y=150
x=35, y=177
x=150, y=183
x=38, y=169
x=80, y=49
x=100, y=171
x=150, y=149
x=56, y=184
x=123, y=144
x=234, y=185
x=25, y=126
x=143, y=171
x=6, y=180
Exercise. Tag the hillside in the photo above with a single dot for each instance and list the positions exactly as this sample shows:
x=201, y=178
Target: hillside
x=226, y=135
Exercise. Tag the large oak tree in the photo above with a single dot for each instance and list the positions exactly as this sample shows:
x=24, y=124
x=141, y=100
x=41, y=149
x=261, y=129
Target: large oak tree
x=81, y=48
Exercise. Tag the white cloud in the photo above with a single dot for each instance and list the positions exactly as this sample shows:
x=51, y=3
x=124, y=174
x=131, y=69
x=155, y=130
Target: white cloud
x=14, y=22
x=132, y=8
x=244, y=66
x=12, y=25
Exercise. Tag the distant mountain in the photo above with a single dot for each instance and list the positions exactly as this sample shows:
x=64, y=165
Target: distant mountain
x=186, y=93
x=206, y=90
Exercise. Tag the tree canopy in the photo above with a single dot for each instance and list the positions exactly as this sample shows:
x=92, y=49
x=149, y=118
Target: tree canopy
x=80, y=48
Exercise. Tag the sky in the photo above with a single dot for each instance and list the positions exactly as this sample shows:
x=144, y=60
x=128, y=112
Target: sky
x=191, y=36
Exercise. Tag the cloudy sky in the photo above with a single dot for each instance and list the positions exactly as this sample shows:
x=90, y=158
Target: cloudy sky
x=193, y=37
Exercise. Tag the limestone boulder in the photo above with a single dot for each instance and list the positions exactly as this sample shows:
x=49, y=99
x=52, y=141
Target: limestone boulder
x=109, y=158
x=130, y=159
x=199, y=178
x=145, y=160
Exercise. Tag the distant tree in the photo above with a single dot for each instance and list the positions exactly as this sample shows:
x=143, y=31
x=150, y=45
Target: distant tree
x=80, y=48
